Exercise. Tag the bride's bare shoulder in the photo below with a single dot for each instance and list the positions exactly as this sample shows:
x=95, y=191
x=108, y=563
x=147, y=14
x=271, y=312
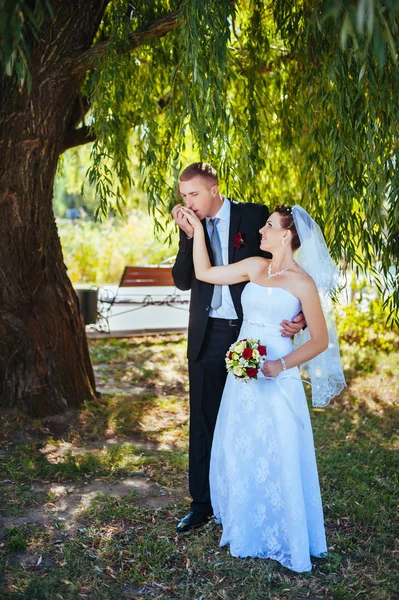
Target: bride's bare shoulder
x=303, y=281
x=257, y=264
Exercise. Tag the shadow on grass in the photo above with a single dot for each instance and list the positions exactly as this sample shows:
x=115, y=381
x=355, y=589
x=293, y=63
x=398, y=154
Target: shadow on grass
x=151, y=375
x=123, y=550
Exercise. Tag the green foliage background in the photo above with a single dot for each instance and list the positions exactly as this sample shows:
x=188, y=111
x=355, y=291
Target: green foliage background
x=98, y=252
x=289, y=100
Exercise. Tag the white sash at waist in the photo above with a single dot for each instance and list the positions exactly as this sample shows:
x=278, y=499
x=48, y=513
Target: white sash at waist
x=271, y=329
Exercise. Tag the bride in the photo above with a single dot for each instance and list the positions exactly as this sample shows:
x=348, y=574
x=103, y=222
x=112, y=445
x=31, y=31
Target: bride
x=263, y=474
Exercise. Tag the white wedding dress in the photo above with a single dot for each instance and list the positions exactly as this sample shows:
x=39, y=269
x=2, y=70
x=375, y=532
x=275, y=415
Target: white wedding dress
x=263, y=474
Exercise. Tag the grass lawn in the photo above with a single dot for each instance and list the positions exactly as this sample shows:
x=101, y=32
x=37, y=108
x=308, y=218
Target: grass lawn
x=89, y=500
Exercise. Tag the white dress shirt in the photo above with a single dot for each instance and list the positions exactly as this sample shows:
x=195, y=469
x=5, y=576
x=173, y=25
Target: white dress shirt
x=226, y=310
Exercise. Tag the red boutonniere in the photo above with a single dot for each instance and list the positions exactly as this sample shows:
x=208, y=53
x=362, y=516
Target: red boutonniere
x=238, y=240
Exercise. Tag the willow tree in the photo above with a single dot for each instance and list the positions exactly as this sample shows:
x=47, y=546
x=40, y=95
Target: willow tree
x=291, y=100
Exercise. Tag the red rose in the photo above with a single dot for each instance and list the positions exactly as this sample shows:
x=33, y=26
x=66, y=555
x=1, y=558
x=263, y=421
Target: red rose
x=230, y=355
x=238, y=240
x=262, y=350
x=252, y=372
x=247, y=353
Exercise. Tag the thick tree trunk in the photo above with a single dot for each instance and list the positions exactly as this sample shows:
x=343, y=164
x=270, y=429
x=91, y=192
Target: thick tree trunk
x=44, y=360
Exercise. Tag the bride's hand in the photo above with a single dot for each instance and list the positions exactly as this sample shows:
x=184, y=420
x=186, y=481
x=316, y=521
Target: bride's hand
x=271, y=368
x=191, y=217
x=181, y=221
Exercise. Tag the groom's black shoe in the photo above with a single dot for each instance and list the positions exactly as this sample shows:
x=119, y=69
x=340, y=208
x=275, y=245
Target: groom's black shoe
x=192, y=520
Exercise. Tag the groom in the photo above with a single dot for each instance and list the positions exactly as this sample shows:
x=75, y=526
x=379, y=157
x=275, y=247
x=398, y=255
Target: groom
x=232, y=234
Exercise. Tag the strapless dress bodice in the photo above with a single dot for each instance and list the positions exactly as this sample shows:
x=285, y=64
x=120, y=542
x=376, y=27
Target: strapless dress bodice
x=264, y=308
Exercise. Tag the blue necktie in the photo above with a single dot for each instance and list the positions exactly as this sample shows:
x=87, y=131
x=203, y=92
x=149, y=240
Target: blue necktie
x=217, y=259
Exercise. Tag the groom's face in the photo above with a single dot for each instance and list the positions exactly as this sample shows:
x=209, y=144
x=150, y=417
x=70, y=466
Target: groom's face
x=201, y=196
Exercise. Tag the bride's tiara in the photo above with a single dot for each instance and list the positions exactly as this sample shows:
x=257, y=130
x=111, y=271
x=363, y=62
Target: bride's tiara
x=284, y=208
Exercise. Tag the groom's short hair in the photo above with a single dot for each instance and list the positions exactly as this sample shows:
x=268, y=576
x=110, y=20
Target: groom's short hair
x=199, y=169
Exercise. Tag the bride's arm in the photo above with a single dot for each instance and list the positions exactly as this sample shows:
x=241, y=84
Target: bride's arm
x=221, y=275
x=309, y=297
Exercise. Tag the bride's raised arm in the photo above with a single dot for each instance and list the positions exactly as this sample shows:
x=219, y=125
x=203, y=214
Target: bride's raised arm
x=221, y=275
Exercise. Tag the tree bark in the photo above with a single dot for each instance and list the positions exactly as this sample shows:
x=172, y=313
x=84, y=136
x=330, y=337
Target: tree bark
x=77, y=137
x=45, y=365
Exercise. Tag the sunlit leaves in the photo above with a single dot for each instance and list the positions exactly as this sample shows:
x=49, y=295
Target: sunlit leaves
x=342, y=115
x=289, y=100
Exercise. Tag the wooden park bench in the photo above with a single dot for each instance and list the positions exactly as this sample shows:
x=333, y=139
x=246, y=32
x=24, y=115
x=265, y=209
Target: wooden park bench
x=146, y=276
x=128, y=292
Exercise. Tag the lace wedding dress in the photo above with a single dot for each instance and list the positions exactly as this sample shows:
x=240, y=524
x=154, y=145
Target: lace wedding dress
x=263, y=475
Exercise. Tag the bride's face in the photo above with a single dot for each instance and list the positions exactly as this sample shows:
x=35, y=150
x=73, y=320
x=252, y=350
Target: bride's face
x=273, y=235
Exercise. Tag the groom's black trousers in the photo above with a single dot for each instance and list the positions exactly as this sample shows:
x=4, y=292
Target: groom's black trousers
x=207, y=377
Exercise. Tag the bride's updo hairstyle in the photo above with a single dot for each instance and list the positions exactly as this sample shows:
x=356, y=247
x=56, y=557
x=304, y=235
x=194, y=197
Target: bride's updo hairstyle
x=287, y=222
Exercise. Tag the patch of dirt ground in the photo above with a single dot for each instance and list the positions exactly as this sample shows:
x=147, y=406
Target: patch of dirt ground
x=58, y=506
x=71, y=498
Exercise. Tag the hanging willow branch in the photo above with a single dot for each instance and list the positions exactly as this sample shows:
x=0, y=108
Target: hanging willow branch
x=157, y=29
x=290, y=101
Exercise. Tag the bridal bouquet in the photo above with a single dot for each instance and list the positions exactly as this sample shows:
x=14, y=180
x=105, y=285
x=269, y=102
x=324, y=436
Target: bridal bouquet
x=244, y=359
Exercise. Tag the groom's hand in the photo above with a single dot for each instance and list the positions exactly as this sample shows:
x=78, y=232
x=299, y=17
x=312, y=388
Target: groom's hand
x=290, y=328
x=182, y=221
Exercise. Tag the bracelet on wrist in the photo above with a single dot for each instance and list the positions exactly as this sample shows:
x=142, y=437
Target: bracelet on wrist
x=283, y=363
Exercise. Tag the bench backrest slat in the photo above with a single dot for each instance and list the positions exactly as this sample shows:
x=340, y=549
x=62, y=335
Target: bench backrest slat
x=147, y=276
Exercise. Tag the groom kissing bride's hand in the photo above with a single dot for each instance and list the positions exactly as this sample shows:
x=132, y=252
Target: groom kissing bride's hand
x=270, y=368
x=215, y=312
x=263, y=480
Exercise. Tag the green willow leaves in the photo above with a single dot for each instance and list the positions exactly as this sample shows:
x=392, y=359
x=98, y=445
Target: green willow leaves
x=21, y=20
x=292, y=101
x=341, y=117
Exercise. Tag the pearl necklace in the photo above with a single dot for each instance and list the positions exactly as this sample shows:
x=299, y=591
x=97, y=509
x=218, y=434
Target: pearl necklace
x=269, y=270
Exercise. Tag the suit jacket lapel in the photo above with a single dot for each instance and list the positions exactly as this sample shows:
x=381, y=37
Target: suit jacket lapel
x=235, y=218
x=208, y=242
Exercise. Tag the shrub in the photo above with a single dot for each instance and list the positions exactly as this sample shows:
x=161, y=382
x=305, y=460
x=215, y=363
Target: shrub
x=364, y=322
x=98, y=252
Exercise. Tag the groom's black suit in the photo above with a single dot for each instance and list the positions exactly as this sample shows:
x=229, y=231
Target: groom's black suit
x=209, y=339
